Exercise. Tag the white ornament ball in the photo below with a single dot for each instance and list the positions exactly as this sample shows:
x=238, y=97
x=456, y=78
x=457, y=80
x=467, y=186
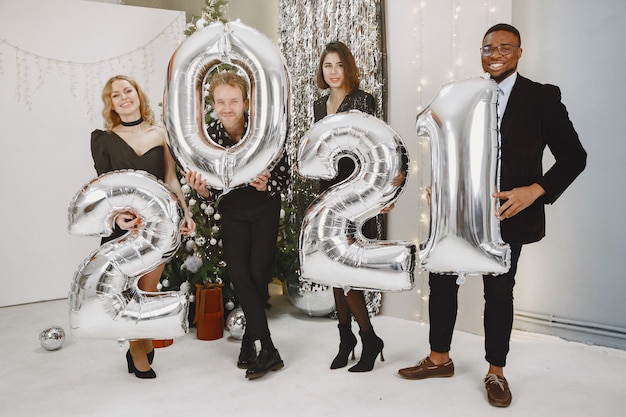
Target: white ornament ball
x=229, y=305
x=185, y=287
x=200, y=23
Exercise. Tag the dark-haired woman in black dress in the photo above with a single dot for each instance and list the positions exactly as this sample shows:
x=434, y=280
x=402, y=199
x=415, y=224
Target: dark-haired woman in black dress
x=338, y=73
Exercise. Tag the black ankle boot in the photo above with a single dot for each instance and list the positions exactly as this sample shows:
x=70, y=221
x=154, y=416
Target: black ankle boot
x=372, y=346
x=247, y=354
x=347, y=342
x=265, y=362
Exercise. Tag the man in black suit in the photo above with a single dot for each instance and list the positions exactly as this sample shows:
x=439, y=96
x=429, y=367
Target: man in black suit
x=531, y=117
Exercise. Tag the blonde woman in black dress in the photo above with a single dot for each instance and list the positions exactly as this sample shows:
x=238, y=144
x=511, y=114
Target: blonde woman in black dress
x=131, y=140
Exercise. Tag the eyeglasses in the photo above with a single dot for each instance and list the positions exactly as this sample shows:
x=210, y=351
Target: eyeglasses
x=503, y=49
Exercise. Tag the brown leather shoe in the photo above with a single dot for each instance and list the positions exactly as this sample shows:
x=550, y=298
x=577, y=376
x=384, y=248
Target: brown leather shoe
x=498, y=392
x=427, y=369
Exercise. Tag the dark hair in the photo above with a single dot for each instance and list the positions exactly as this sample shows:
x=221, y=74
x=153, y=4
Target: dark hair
x=507, y=28
x=350, y=70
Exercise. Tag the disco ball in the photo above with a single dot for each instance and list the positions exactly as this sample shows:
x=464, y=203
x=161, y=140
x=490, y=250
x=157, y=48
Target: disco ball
x=313, y=299
x=236, y=323
x=52, y=338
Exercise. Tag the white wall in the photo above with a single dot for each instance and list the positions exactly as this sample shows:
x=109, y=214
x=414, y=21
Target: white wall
x=50, y=103
x=575, y=273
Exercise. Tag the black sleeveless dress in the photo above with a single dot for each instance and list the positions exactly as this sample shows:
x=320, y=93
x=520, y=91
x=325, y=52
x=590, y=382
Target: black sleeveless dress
x=111, y=153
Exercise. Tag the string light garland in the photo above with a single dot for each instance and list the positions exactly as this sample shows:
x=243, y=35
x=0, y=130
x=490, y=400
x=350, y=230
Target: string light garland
x=85, y=78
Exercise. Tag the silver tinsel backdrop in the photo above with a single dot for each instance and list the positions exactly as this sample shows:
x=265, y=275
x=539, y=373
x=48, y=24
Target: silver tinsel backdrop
x=305, y=27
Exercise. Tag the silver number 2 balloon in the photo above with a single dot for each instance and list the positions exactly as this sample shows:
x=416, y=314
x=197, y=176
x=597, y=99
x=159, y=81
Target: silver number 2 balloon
x=333, y=250
x=261, y=147
x=464, y=237
x=105, y=301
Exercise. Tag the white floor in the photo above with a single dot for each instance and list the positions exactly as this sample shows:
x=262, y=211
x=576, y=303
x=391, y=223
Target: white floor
x=87, y=377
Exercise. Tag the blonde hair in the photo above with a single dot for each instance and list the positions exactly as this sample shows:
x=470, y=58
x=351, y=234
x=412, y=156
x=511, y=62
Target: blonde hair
x=228, y=78
x=110, y=116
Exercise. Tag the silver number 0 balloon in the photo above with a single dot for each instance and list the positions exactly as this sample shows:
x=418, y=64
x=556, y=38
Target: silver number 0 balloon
x=261, y=147
x=464, y=238
x=105, y=301
x=333, y=251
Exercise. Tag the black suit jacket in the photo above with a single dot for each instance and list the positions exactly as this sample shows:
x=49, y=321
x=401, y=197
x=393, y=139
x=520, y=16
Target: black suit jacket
x=533, y=119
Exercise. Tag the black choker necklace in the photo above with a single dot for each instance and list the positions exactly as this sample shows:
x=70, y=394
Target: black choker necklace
x=135, y=123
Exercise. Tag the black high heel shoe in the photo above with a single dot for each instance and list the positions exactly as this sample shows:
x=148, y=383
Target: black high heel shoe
x=150, y=356
x=149, y=374
x=372, y=346
x=347, y=342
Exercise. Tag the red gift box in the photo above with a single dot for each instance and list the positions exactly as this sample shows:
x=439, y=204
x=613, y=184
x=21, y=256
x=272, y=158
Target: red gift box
x=209, y=312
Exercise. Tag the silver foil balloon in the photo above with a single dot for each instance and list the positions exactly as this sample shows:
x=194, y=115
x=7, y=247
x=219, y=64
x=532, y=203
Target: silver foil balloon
x=52, y=337
x=261, y=147
x=236, y=323
x=104, y=299
x=464, y=237
x=333, y=250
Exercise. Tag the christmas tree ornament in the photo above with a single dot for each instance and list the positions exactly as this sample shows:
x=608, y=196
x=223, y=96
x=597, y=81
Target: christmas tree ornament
x=52, y=337
x=185, y=287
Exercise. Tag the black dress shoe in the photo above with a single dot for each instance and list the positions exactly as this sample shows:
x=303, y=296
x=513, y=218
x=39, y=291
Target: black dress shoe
x=247, y=354
x=265, y=362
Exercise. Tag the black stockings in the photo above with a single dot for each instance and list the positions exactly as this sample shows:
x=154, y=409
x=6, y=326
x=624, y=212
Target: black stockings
x=352, y=304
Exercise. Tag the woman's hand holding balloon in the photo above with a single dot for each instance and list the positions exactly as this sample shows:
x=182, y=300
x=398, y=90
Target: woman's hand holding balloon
x=187, y=226
x=127, y=220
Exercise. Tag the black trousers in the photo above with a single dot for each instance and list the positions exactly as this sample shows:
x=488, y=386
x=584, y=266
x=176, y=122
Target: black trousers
x=498, y=316
x=249, y=231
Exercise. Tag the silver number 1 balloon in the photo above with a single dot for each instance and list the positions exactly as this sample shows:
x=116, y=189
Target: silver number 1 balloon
x=333, y=250
x=105, y=301
x=464, y=238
